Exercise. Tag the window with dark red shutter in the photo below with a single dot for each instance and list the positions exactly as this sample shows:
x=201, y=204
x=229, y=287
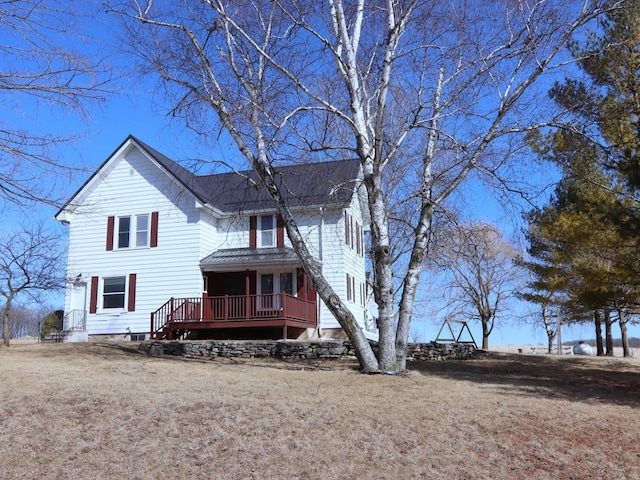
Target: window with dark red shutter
x=253, y=227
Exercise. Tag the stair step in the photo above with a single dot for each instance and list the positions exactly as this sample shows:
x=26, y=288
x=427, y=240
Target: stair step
x=55, y=336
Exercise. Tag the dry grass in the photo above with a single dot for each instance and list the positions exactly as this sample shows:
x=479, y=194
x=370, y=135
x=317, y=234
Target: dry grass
x=102, y=411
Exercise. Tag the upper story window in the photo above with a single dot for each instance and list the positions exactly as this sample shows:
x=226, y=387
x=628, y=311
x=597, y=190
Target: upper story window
x=353, y=234
x=124, y=229
x=142, y=230
x=267, y=226
x=132, y=231
x=265, y=231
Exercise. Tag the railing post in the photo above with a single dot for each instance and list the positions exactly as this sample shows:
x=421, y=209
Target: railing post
x=151, y=332
x=226, y=307
x=283, y=303
x=306, y=310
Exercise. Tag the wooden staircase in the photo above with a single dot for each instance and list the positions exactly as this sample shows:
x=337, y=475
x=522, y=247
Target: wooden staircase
x=55, y=336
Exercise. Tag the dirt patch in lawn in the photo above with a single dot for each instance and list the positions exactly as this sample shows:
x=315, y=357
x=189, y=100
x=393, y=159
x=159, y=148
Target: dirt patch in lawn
x=103, y=411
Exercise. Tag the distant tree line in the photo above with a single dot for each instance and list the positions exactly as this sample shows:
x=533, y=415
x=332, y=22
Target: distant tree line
x=33, y=322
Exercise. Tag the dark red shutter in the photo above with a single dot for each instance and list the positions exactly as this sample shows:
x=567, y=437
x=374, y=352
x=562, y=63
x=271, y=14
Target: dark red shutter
x=351, y=235
x=353, y=289
x=348, y=287
x=131, y=303
x=280, y=232
x=153, y=241
x=93, y=302
x=346, y=228
x=110, y=224
x=253, y=235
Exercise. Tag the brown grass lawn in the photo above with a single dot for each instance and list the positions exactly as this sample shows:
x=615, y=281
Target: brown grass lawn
x=103, y=411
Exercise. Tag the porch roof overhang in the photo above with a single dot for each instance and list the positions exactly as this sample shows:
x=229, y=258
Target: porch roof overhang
x=249, y=258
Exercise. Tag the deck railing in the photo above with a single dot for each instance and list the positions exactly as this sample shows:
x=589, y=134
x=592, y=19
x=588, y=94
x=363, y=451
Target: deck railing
x=75, y=321
x=234, y=308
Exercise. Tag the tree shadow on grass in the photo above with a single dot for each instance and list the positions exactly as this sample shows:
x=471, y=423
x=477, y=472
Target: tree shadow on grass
x=586, y=379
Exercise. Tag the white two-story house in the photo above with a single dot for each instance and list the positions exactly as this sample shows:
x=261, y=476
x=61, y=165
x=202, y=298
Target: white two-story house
x=158, y=252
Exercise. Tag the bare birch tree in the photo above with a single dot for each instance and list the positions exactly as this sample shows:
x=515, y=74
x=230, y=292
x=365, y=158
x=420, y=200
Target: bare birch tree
x=481, y=276
x=429, y=89
x=30, y=264
x=43, y=65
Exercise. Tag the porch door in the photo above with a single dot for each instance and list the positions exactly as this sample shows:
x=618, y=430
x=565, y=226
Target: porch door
x=267, y=289
x=77, y=306
x=272, y=285
x=306, y=290
x=229, y=295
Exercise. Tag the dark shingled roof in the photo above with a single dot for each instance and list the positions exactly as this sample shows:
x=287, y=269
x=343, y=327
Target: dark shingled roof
x=244, y=256
x=310, y=184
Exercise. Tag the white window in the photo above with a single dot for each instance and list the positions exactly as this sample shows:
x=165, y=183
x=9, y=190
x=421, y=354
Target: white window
x=267, y=230
x=113, y=292
x=124, y=231
x=142, y=230
x=140, y=234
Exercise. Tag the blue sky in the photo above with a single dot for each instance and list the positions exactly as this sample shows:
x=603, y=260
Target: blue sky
x=139, y=117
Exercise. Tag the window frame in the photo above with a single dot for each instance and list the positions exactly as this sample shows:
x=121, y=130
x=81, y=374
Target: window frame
x=103, y=293
x=119, y=232
x=134, y=233
x=261, y=231
x=146, y=231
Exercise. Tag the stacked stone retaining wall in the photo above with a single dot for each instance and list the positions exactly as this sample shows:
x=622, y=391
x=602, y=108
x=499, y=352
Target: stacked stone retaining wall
x=294, y=349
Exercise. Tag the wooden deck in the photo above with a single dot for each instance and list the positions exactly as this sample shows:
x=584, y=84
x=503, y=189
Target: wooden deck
x=180, y=315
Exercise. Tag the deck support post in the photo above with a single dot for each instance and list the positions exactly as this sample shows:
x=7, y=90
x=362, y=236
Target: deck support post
x=247, y=291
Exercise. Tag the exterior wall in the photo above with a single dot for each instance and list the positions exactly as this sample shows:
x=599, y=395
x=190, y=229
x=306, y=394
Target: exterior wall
x=233, y=232
x=342, y=259
x=133, y=185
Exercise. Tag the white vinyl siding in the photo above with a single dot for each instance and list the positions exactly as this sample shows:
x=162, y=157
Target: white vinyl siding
x=170, y=270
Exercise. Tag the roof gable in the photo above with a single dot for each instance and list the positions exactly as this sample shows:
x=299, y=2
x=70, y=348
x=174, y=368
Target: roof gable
x=329, y=183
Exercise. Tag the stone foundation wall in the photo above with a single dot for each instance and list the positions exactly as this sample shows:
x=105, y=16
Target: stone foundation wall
x=289, y=349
